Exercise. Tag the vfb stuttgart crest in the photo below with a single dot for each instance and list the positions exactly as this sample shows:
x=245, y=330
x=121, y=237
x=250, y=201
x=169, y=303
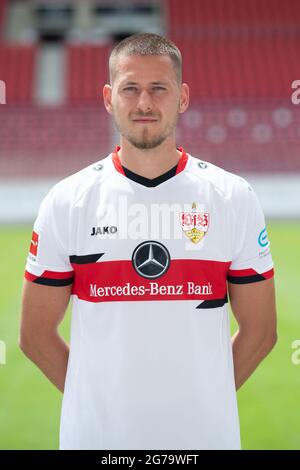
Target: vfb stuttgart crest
x=194, y=224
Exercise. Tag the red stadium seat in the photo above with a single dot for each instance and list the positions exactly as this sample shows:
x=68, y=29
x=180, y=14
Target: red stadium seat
x=237, y=50
x=2, y=14
x=86, y=72
x=17, y=71
x=245, y=138
x=51, y=142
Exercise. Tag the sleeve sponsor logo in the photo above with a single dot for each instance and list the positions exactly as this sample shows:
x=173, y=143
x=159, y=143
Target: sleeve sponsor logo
x=263, y=238
x=34, y=244
x=264, y=243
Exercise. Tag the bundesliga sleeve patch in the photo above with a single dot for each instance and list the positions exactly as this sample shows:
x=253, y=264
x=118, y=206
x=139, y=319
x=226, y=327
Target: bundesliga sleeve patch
x=34, y=243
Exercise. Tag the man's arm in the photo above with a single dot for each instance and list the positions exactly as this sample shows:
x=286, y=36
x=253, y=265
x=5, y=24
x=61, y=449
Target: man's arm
x=43, y=308
x=253, y=306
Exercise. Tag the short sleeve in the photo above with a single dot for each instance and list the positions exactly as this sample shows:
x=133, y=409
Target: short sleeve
x=251, y=255
x=48, y=260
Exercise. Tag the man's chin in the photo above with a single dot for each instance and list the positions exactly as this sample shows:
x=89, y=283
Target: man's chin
x=146, y=144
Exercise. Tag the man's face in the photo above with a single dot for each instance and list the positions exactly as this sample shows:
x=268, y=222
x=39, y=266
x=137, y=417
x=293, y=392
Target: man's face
x=145, y=99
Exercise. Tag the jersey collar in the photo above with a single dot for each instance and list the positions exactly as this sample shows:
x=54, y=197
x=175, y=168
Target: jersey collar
x=118, y=166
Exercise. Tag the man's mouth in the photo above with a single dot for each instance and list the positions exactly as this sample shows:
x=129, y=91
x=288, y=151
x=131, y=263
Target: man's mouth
x=144, y=120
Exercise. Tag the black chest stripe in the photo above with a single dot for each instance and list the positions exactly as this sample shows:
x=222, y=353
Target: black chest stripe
x=85, y=259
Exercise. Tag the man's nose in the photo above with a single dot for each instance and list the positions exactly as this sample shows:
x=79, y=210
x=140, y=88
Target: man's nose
x=144, y=102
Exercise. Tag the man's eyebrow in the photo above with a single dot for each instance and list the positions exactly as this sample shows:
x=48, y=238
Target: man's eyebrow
x=159, y=83
x=135, y=83
x=129, y=83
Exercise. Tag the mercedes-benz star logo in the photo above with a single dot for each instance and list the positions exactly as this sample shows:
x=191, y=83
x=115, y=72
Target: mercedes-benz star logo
x=151, y=259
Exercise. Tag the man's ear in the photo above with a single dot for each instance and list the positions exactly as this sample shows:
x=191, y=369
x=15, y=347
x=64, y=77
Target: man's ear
x=107, y=98
x=184, y=97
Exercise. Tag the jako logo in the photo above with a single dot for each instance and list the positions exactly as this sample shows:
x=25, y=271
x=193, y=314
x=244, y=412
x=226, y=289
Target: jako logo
x=2, y=353
x=2, y=92
x=263, y=238
x=103, y=230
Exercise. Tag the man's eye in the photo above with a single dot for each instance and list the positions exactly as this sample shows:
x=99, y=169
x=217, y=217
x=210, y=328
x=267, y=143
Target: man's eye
x=129, y=88
x=158, y=88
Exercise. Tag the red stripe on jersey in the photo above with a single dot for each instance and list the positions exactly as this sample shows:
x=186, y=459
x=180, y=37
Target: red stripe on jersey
x=268, y=274
x=182, y=162
x=186, y=279
x=250, y=272
x=116, y=160
x=57, y=275
x=118, y=165
x=30, y=277
x=50, y=275
x=242, y=272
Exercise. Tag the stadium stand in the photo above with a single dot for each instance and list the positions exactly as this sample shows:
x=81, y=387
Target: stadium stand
x=86, y=69
x=17, y=71
x=249, y=138
x=44, y=142
x=232, y=17
x=2, y=13
x=245, y=69
x=52, y=142
x=239, y=58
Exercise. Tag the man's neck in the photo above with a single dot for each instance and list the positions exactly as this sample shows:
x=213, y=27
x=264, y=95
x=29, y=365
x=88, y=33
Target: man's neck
x=149, y=163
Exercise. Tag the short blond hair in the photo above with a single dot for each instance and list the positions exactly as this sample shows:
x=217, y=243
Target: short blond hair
x=146, y=44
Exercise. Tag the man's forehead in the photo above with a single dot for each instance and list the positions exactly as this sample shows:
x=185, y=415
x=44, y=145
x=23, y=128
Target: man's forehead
x=134, y=68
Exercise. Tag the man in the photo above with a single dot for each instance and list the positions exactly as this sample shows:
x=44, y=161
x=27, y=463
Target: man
x=145, y=242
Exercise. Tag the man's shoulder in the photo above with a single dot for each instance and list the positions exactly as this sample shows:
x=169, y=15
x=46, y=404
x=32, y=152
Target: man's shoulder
x=70, y=189
x=226, y=183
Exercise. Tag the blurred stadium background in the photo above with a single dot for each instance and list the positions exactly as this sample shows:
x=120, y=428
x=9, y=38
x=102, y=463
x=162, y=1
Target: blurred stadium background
x=240, y=58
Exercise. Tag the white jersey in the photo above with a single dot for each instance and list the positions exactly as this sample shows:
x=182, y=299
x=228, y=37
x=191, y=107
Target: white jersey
x=150, y=363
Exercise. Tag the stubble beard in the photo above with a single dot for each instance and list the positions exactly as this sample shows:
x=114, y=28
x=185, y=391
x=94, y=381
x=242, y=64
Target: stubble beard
x=146, y=142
